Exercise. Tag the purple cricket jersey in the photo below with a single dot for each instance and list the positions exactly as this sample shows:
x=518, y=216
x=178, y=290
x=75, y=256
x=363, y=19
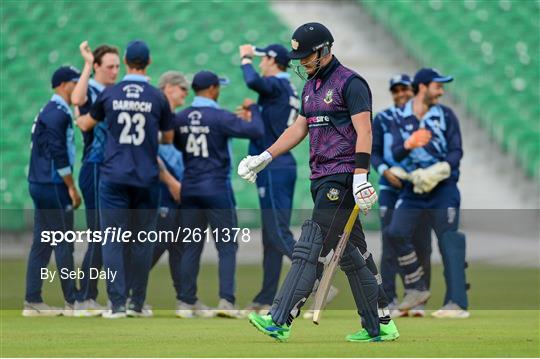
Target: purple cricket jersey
x=332, y=137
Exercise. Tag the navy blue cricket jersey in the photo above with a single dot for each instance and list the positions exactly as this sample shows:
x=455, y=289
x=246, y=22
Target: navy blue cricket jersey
x=445, y=143
x=203, y=133
x=134, y=112
x=278, y=102
x=53, y=147
x=381, y=149
x=93, y=140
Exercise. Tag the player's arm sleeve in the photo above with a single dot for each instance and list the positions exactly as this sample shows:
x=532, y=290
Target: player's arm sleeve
x=263, y=86
x=357, y=97
x=177, y=141
x=97, y=111
x=167, y=116
x=453, y=139
x=399, y=152
x=301, y=106
x=377, y=146
x=57, y=142
x=234, y=126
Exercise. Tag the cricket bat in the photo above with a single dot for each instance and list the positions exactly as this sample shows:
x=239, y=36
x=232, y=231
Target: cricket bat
x=330, y=270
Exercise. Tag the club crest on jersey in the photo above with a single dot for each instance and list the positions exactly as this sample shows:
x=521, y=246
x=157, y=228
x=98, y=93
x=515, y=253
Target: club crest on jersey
x=306, y=98
x=409, y=127
x=195, y=118
x=333, y=194
x=133, y=90
x=294, y=44
x=328, y=99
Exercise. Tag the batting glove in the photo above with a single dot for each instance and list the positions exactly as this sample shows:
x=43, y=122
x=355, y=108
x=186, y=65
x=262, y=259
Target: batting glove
x=251, y=165
x=364, y=193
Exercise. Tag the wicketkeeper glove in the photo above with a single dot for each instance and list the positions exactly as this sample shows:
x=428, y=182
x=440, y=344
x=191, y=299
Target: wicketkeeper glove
x=251, y=165
x=425, y=179
x=364, y=193
x=400, y=173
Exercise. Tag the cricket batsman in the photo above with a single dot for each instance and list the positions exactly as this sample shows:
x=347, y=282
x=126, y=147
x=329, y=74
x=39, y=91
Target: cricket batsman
x=336, y=112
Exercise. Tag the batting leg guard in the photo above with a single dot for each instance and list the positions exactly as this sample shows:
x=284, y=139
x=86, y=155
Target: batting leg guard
x=364, y=287
x=299, y=282
x=452, y=246
x=382, y=299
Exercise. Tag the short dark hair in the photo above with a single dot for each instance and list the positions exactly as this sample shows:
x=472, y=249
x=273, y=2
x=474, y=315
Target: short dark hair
x=102, y=50
x=137, y=64
x=416, y=87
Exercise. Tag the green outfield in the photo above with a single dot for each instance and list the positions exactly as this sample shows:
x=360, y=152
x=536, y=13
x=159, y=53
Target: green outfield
x=504, y=323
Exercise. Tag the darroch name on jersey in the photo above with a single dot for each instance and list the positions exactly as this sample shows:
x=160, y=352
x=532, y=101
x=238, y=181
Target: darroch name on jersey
x=128, y=105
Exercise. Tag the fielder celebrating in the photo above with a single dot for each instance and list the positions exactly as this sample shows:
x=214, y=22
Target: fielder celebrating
x=431, y=188
x=389, y=188
x=53, y=192
x=336, y=112
x=134, y=112
x=203, y=132
x=279, y=103
x=104, y=62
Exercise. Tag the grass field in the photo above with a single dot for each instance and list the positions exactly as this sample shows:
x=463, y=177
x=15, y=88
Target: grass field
x=505, y=322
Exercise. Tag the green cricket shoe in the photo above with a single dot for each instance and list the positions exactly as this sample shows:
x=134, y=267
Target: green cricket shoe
x=362, y=336
x=388, y=332
x=266, y=325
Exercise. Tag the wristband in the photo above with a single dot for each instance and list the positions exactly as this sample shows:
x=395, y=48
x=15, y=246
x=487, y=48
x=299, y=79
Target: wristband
x=249, y=57
x=361, y=160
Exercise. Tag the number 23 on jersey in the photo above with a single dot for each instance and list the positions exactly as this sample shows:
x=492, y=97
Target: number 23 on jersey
x=138, y=121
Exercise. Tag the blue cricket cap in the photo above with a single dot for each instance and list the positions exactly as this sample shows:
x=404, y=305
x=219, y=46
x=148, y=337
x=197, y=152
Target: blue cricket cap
x=402, y=79
x=278, y=52
x=65, y=74
x=137, y=51
x=427, y=75
x=204, y=79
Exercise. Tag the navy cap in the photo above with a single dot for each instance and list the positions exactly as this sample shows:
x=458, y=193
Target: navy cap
x=65, y=74
x=137, y=51
x=204, y=79
x=278, y=52
x=427, y=75
x=402, y=79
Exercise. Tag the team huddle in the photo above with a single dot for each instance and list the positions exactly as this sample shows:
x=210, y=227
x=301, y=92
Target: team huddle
x=147, y=167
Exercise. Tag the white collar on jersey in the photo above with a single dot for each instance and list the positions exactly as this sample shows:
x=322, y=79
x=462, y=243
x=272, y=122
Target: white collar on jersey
x=135, y=77
x=63, y=104
x=199, y=101
x=434, y=111
x=283, y=75
x=98, y=85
